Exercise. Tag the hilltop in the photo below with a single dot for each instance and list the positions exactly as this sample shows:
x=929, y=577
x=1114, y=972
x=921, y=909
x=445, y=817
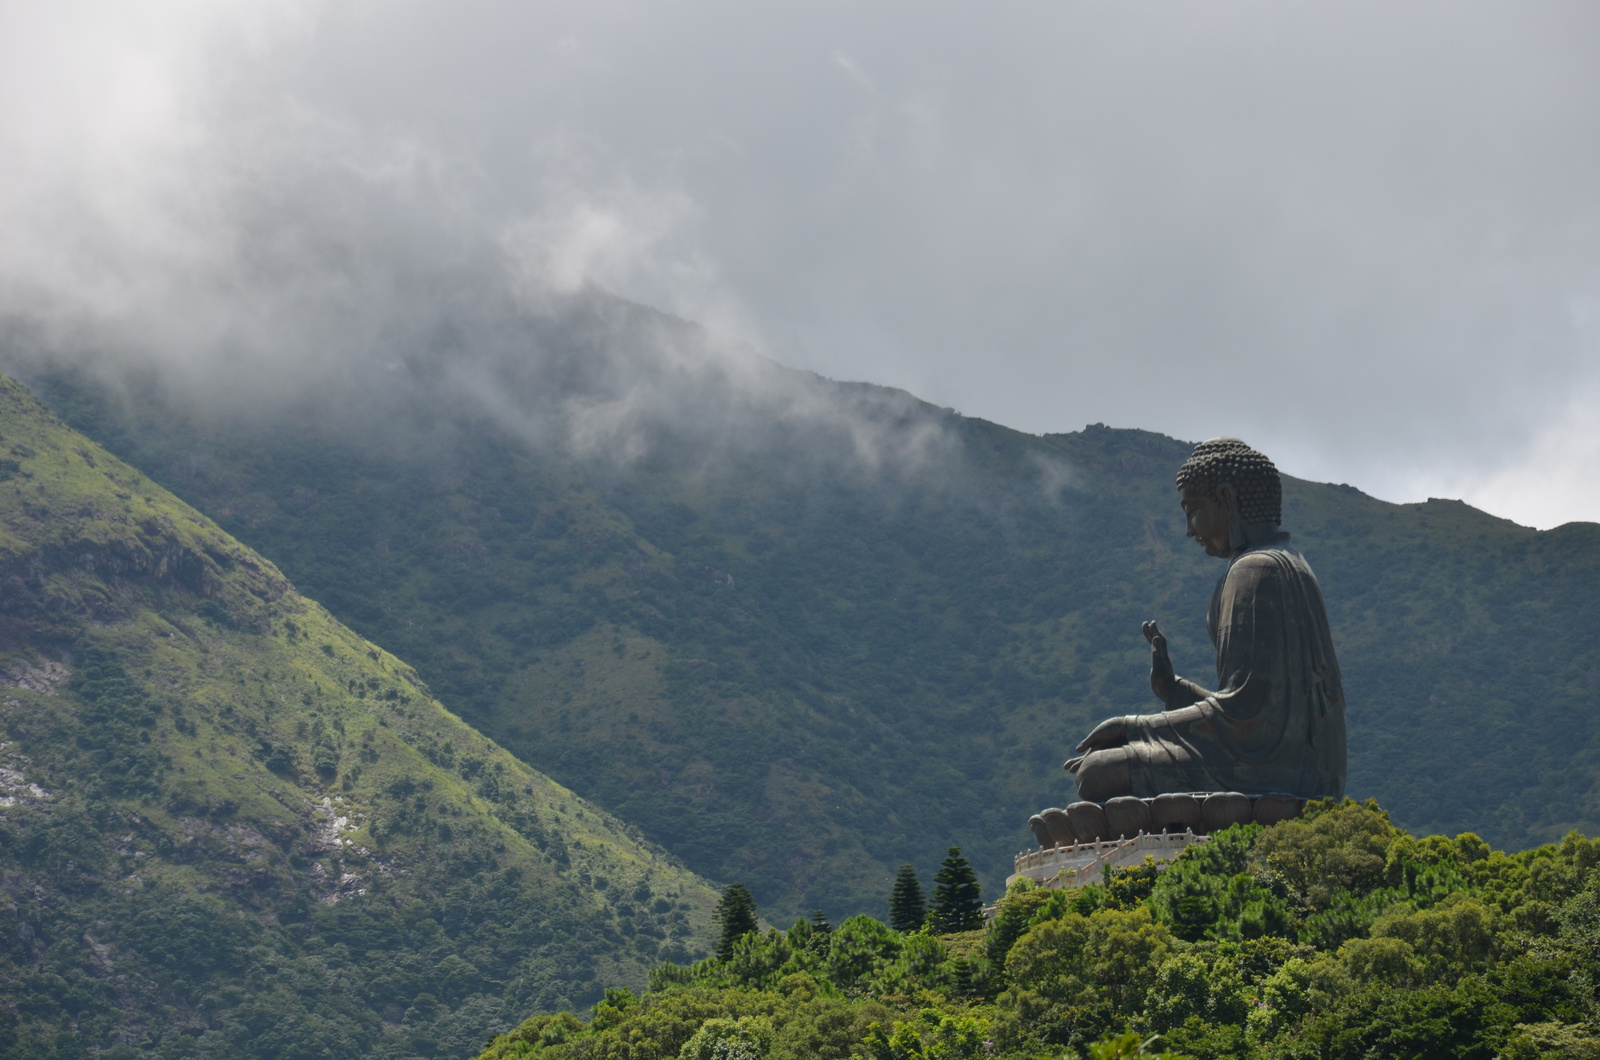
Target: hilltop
x=799, y=631
x=231, y=826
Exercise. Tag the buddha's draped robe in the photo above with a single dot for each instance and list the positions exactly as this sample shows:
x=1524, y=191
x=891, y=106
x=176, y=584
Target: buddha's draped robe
x=1276, y=723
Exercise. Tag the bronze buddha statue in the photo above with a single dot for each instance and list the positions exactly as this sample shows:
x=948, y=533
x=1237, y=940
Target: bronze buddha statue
x=1275, y=723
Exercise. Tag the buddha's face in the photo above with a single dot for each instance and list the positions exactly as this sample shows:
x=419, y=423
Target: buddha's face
x=1209, y=515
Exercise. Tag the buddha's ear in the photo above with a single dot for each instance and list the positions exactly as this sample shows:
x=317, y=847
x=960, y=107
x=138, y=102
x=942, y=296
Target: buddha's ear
x=1226, y=496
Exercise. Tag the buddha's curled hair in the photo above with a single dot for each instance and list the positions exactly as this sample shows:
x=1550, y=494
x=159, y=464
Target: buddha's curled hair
x=1254, y=478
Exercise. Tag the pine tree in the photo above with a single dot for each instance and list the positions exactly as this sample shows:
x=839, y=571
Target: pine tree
x=819, y=922
x=736, y=916
x=956, y=902
x=908, y=906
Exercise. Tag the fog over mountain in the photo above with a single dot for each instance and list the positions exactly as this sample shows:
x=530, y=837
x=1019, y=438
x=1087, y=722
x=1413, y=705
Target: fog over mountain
x=1362, y=235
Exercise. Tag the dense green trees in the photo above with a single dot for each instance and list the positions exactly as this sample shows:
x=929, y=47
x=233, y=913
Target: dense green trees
x=1336, y=937
x=957, y=904
x=908, y=906
x=735, y=918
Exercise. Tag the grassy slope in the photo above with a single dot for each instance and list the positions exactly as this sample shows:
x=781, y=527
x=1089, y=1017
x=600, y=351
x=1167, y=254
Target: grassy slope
x=794, y=673
x=231, y=826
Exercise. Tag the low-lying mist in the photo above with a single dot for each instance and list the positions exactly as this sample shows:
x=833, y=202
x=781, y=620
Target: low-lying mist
x=355, y=305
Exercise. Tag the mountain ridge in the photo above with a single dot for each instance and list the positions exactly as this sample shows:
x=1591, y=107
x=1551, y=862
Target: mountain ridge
x=799, y=631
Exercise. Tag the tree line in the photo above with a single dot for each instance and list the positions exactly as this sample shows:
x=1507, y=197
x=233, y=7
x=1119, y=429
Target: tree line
x=957, y=905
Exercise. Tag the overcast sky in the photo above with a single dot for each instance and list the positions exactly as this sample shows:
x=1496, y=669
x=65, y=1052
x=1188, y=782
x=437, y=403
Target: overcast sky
x=1363, y=236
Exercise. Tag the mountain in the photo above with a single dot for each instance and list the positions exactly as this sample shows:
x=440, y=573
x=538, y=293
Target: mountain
x=800, y=631
x=229, y=826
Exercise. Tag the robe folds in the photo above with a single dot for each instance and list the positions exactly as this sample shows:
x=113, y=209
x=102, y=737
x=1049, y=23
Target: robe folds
x=1275, y=725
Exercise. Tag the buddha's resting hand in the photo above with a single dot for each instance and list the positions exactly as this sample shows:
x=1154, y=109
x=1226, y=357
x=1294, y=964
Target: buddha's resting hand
x=1162, y=676
x=1113, y=732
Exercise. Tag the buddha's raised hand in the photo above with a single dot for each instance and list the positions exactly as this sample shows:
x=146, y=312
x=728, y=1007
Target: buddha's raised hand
x=1162, y=676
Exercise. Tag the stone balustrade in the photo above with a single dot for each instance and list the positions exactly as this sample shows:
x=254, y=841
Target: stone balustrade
x=1081, y=863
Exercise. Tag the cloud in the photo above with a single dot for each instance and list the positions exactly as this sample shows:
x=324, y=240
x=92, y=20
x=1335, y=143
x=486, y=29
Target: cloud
x=576, y=241
x=1550, y=482
x=1056, y=477
x=1351, y=233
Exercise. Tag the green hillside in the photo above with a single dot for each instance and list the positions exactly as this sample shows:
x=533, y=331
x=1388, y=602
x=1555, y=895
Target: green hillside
x=800, y=631
x=229, y=826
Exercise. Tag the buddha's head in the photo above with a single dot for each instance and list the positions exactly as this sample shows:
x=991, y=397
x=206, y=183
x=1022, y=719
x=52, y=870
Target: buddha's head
x=1231, y=496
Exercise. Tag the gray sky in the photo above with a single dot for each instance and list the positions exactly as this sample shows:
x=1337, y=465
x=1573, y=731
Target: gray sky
x=1364, y=236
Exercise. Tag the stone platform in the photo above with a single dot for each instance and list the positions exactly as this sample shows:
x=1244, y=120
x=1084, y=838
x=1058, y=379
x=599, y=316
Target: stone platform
x=1080, y=842
x=1081, y=863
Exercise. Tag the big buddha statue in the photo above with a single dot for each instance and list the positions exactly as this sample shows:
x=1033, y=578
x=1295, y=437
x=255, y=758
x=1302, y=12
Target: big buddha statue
x=1273, y=723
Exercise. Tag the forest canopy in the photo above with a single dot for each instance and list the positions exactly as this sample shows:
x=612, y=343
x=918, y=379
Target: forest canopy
x=1334, y=935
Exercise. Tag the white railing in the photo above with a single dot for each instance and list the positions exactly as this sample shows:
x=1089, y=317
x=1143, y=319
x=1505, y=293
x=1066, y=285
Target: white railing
x=1081, y=863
